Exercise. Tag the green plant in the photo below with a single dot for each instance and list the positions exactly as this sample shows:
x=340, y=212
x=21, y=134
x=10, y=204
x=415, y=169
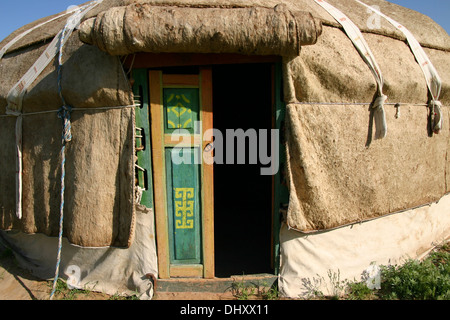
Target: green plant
x=60, y=288
x=414, y=280
x=440, y=255
x=118, y=296
x=63, y=292
x=312, y=287
x=270, y=294
x=337, y=286
x=257, y=290
x=242, y=291
x=418, y=280
x=359, y=291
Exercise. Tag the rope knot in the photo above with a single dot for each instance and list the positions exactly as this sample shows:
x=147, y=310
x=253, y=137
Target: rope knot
x=13, y=112
x=64, y=115
x=435, y=115
x=380, y=117
x=379, y=102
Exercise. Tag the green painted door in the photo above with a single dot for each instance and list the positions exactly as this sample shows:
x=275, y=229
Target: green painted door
x=181, y=109
x=183, y=195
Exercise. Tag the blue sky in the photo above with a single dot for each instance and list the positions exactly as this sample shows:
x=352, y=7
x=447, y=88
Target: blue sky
x=17, y=13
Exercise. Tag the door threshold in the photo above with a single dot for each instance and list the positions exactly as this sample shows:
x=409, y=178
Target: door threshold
x=216, y=285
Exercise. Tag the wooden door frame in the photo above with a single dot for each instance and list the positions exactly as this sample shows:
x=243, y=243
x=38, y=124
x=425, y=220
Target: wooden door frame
x=152, y=60
x=207, y=174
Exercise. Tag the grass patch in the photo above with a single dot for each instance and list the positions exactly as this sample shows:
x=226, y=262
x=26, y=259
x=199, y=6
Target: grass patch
x=418, y=280
x=359, y=291
x=428, y=279
x=254, y=291
x=62, y=292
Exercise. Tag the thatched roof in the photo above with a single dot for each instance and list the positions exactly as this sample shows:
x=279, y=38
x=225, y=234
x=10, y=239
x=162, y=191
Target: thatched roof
x=335, y=177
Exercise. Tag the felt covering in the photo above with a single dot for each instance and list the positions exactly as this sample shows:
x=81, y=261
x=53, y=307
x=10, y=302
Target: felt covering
x=146, y=28
x=99, y=207
x=327, y=144
x=338, y=172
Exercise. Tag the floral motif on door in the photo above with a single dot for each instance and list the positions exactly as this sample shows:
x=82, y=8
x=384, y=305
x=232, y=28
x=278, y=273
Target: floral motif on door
x=181, y=107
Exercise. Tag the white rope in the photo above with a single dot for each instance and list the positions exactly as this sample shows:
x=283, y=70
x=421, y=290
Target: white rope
x=299, y=103
x=432, y=78
x=361, y=45
x=73, y=109
x=357, y=103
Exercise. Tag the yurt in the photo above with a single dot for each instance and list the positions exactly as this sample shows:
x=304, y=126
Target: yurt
x=157, y=144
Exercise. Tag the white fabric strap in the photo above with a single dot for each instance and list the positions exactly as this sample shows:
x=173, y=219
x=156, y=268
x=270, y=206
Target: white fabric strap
x=432, y=78
x=363, y=48
x=23, y=34
x=18, y=135
x=16, y=94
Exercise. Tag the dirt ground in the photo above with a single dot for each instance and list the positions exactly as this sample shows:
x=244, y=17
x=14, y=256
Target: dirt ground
x=18, y=284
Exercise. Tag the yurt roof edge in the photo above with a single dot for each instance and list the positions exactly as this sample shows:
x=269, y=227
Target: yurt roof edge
x=439, y=41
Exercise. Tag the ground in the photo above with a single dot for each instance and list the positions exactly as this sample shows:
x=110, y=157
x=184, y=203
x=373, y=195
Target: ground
x=18, y=284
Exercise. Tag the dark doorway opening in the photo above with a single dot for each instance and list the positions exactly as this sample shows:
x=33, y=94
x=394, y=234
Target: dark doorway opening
x=242, y=98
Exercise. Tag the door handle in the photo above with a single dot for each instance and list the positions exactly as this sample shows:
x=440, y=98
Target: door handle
x=208, y=147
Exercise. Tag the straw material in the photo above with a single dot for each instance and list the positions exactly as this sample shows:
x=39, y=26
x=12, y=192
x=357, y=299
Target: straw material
x=99, y=208
x=336, y=180
x=145, y=28
x=336, y=173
